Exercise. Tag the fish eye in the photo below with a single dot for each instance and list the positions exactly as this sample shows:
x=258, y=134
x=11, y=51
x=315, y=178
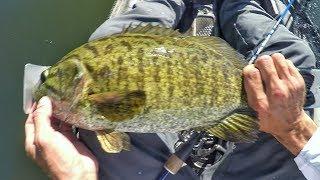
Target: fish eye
x=44, y=75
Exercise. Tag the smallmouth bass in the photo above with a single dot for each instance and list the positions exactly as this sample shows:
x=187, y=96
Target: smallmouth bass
x=152, y=79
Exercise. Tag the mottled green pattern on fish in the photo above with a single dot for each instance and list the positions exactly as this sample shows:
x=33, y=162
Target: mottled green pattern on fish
x=150, y=83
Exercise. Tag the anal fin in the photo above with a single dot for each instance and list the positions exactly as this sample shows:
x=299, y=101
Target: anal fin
x=238, y=127
x=113, y=142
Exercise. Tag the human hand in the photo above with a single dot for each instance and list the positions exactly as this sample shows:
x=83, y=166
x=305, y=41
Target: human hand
x=276, y=91
x=52, y=144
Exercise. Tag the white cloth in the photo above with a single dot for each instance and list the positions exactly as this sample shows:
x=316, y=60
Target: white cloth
x=308, y=160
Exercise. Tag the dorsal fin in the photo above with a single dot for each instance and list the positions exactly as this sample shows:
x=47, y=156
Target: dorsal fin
x=238, y=127
x=221, y=47
x=149, y=29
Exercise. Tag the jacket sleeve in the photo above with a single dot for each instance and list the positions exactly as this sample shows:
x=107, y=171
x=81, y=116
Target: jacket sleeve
x=308, y=160
x=158, y=12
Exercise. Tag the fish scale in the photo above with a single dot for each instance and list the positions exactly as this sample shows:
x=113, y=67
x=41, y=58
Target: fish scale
x=171, y=91
x=197, y=82
x=152, y=81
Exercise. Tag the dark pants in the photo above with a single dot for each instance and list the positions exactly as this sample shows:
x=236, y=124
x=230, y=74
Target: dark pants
x=243, y=24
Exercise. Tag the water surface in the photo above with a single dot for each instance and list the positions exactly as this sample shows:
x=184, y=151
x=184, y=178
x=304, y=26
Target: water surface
x=40, y=32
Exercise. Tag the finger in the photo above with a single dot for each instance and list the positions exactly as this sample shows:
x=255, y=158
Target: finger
x=297, y=83
x=296, y=77
x=281, y=65
x=267, y=69
x=293, y=70
x=42, y=121
x=43, y=114
x=257, y=98
x=29, y=140
x=29, y=124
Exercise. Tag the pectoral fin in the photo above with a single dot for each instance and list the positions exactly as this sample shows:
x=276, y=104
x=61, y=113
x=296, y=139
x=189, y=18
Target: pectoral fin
x=119, y=106
x=238, y=127
x=113, y=142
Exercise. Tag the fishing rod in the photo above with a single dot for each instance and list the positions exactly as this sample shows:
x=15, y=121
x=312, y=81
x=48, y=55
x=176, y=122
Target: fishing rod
x=177, y=159
x=274, y=28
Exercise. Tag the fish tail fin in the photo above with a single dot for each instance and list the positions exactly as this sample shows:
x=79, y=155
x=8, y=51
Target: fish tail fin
x=113, y=142
x=240, y=126
x=312, y=81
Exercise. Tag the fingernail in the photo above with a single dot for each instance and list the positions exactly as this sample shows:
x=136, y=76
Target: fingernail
x=43, y=101
x=265, y=57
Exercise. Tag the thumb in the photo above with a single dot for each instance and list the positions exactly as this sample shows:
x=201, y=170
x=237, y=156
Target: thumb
x=42, y=116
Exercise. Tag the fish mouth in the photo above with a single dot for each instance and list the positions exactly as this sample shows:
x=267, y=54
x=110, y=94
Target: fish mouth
x=31, y=80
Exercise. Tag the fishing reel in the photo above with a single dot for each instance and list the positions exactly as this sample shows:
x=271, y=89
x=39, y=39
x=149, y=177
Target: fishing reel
x=209, y=151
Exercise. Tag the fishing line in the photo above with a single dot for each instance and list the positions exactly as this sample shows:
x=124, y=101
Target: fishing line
x=274, y=28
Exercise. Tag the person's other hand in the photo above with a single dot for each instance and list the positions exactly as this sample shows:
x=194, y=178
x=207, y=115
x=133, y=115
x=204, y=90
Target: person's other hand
x=276, y=91
x=52, y=144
